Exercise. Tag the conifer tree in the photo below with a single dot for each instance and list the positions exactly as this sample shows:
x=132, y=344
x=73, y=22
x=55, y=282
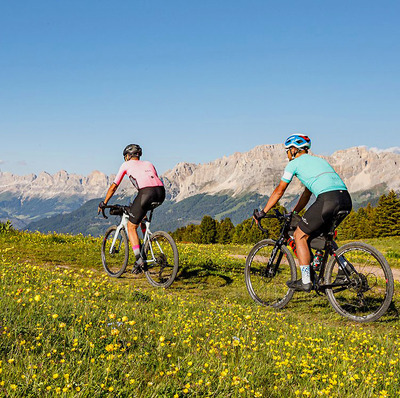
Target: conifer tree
x=178, y=235
x=208, y=229
x=238, y=234
x=192, y=234
x=225, y=231
x=387, y=215
x=365, y=221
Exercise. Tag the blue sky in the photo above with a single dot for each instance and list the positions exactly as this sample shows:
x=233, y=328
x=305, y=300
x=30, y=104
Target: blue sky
x=192, y=80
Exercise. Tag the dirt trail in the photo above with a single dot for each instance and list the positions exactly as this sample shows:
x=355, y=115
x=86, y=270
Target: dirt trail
x=395, y=271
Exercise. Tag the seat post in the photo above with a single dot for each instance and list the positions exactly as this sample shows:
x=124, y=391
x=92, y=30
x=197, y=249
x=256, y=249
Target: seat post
x=152, y=207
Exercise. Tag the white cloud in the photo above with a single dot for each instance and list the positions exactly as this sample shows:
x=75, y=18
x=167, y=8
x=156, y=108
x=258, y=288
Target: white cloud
x=2, y=161
x=394, y=149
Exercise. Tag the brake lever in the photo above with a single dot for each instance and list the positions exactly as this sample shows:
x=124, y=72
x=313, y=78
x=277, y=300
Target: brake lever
x=277, y=213
x=104, y=214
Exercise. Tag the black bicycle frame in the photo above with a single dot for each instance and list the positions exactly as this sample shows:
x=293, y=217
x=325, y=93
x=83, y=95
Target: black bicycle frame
x=271, y=269
x=329, y=250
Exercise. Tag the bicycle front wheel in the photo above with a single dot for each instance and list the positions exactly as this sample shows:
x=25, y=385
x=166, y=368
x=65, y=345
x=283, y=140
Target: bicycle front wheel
x=366, y=295
x=115, y=256
x=162, y=259
x=266, y=283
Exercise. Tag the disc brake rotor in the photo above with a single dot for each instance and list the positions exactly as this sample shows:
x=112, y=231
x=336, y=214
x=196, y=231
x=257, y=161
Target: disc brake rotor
x=161, y=260
x=359, y=283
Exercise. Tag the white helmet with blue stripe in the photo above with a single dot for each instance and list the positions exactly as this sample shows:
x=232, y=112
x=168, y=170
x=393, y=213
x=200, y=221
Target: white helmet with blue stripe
x=299, y=141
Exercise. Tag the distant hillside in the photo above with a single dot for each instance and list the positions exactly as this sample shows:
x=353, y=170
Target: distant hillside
x=169, y=216
x=22, y=212
x=172, y=215
x=83, y=220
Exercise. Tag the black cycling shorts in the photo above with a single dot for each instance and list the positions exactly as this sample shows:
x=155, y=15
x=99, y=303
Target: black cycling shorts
x=143, y=202
x=319, y=216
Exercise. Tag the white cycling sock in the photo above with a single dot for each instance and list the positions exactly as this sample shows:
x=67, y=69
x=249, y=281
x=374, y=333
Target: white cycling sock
x=305, y=273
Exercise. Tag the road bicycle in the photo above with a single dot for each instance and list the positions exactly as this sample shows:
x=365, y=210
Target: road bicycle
x=356, y=278
x=158, y=249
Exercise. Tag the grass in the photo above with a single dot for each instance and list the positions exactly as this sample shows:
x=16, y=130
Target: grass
x=68, y=330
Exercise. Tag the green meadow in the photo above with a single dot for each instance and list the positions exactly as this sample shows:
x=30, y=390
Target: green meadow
x=69, y=330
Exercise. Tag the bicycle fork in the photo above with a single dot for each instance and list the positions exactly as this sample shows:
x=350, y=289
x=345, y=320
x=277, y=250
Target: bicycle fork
x=122, y=225
x=113, y=248
x=271, y=268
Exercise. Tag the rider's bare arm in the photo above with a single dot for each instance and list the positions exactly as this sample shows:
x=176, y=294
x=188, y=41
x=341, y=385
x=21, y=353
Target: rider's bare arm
x=304, y=198
x=109, y=194
x=276, y=195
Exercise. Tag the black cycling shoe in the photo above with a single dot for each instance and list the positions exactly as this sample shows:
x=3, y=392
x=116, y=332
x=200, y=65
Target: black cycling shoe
x=299, y=286
x=137, y=269
x=138, y=266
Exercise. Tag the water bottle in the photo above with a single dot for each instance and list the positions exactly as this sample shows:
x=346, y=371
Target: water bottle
x=292, y=245
x=317, y=260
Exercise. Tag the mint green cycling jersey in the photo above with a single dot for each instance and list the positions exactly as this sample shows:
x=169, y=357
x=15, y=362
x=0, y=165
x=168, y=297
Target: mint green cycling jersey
x=315, y=173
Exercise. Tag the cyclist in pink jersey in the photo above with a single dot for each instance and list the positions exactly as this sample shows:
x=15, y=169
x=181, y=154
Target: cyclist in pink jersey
x=141, y=173
x=151, y=193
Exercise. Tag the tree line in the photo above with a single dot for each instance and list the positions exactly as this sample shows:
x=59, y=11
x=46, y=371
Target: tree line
x=373, y=222
x=368, y=222
x=214, y=231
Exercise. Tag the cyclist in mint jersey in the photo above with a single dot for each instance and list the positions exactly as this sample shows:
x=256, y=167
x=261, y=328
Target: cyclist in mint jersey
x=143, y=176
x=320, y=179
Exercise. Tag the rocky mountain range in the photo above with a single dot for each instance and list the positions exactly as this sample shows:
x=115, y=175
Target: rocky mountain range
x=260, y=170
x=367, y=174
x=47, y=186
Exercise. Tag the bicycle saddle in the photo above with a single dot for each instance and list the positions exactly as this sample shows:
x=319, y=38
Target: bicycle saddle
x=340, y=216
x=153, y=205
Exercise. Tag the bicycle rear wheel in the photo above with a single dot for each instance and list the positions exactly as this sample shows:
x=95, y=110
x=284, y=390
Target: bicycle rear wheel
x=115, y=258
x=162, y=259
x=267, y=286
x=366, y=295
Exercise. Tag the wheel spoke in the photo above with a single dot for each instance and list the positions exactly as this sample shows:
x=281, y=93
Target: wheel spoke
x=162, y=259
x=115, y=252
x=370, y=288
x=265, y=282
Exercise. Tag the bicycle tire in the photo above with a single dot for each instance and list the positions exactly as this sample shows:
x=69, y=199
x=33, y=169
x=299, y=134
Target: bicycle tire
x=269, y=290
x=371, y=287
x=162, y=259
x=115, y=263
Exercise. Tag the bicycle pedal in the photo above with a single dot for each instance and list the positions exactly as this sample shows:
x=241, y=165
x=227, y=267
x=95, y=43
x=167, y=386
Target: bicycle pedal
x=136, y=270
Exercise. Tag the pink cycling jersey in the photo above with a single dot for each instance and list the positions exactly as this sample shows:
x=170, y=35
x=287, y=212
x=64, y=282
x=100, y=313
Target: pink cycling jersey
x=141, y=173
